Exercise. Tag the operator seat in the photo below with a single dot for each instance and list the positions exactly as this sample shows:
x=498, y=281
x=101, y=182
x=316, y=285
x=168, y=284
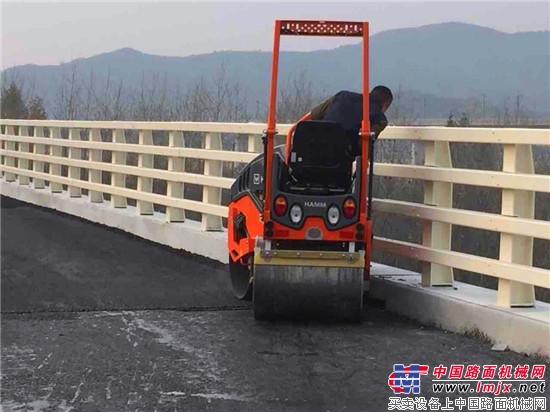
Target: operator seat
x=321, y=155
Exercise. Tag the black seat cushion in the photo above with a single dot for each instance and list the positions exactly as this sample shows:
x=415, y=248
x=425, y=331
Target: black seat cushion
x=321, y=155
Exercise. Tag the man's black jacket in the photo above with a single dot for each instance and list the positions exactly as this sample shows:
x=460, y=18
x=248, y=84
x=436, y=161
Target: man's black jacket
x=346, y=108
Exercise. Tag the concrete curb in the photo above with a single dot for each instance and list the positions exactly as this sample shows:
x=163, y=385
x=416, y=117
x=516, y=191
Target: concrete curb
x=463, y=309
x=467, y=309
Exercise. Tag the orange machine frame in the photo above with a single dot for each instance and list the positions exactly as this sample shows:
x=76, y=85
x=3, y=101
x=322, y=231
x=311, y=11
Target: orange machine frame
x=241, y=247
x=317, y=28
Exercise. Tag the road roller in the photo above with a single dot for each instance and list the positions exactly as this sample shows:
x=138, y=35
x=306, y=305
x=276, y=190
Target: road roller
x=299, y=227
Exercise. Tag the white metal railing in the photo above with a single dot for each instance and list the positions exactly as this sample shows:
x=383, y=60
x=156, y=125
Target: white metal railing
x=24, y=158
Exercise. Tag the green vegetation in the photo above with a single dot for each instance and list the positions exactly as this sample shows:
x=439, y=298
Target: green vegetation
x=13, y=106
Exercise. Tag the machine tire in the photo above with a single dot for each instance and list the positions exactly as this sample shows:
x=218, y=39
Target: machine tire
x=240, y=280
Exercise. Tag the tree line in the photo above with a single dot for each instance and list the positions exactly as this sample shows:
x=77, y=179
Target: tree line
x=14, y=105
x=85, y=96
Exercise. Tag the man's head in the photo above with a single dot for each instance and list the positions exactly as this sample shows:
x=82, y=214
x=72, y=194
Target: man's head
x=382, y=95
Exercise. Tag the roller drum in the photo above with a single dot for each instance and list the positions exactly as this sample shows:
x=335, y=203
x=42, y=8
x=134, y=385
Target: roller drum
x=312, y=292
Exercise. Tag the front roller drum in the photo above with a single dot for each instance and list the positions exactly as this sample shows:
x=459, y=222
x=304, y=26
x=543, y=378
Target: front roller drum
x=300, y=292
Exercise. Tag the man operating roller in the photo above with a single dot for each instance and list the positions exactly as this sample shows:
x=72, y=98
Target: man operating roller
x=346, y=108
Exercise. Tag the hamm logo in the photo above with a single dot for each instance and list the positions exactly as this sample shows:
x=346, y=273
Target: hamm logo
x=315, y=204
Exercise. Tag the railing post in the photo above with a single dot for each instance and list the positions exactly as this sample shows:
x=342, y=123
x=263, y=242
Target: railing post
x=175, y=189
x=145, y=184
x=94, y=175
x=74, y=172
x=55, y=151
x=437, y=234
x=3, y=147
x=212, y=195
x=9, y=160
x=36, y=165
x=118, y=179
x=515, y=248
x=255, y=144
x=24, y=163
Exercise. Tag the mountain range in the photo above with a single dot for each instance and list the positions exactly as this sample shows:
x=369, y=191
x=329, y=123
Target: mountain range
x=446, y=66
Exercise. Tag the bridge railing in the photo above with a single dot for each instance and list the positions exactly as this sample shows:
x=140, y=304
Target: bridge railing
x=53, y=157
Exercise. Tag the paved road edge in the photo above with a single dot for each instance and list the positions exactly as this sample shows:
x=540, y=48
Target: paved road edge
x=186, y=235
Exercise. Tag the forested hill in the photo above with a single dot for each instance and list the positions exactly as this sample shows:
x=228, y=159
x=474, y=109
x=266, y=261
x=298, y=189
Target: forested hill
x=440, y=67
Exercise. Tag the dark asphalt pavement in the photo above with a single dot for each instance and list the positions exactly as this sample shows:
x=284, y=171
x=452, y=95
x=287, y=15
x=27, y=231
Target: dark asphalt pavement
x=96, y=320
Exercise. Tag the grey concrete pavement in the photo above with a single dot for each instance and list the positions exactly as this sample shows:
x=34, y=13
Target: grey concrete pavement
x=96, y=320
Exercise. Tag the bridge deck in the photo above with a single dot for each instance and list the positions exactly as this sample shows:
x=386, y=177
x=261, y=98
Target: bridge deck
x=96, y=319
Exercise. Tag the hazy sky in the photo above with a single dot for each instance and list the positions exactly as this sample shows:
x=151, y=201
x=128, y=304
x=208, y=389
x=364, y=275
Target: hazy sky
x=50, y=33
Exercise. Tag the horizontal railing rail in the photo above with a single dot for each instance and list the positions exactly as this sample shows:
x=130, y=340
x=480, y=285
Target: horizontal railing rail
x=478, y=220
x=427, y=133
x=192, y=153
x=181, y=177
x=52, y=160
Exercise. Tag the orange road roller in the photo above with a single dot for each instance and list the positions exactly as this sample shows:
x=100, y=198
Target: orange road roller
x=299, y=227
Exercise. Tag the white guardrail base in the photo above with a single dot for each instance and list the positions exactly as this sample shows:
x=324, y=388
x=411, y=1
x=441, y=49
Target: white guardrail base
x=464, y=308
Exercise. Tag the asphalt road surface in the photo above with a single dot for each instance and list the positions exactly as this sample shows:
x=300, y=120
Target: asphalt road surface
x=96, y=320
